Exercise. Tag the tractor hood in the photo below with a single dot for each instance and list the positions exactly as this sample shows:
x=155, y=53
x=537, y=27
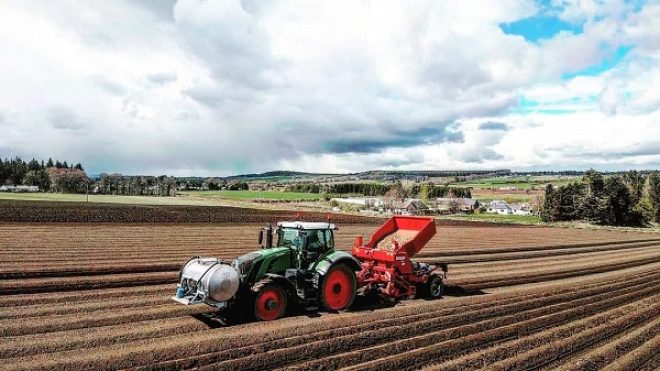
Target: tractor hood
x=245, y=262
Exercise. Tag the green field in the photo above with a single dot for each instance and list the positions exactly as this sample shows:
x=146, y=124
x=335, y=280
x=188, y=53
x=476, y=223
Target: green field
x=495, y=218
x=521, y=182
x=248, y=195
x=509, y=197
x=135, y=200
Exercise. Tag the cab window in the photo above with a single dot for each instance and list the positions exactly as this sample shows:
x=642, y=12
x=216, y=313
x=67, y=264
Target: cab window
x=329, y=242
x=288, y=238
x=315, y=241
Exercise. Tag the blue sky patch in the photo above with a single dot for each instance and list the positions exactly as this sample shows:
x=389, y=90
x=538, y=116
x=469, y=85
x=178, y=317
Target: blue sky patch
x=539, y=27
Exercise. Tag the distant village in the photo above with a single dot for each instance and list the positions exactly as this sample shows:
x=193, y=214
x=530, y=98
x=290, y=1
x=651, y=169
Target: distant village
x=437, y=206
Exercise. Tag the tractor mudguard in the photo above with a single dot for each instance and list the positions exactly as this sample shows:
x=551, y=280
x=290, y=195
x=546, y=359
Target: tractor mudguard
x=288, y=287
x=336, y=257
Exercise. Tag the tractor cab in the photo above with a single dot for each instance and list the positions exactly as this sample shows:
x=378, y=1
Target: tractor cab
x=308, y=241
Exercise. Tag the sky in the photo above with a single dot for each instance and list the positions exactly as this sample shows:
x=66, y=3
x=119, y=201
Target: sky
x=216, y=88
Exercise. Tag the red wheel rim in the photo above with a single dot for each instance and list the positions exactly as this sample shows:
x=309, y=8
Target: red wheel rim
x=338, y=289
x=269, y=304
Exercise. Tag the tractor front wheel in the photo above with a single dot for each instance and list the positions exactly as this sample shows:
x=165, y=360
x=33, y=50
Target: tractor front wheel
x=338, y=288
x=270, y=302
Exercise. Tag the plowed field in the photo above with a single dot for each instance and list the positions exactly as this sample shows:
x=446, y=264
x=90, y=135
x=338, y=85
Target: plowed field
x=84, y=296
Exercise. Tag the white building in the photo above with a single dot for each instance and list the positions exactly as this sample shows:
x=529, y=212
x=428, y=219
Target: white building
x=509, y=209
x=360, y=201
x=19, y=188
x=502, y=209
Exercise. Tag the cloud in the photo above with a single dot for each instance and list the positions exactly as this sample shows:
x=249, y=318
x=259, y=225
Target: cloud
x=63, y=118
x=490, y=125
x=248, y=86
x=375, y=143
x=161, y=78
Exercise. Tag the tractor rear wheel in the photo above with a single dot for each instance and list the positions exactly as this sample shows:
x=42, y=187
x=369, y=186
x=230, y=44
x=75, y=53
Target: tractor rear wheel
x=338, y=288
x=270, y=302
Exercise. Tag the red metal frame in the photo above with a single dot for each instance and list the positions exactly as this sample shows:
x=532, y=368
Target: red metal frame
x=393, y=273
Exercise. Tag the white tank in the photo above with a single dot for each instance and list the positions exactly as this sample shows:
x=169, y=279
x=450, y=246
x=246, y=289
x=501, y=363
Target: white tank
x=217, y=281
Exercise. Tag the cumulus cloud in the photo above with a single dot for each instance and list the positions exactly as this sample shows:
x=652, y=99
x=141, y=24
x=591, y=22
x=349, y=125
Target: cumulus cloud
x=490, y=125
x=246, y=86
x=63, y=118
x=161, y=78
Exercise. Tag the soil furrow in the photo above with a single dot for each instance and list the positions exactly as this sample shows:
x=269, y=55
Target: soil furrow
x=511, y=349
x=443, y=345
x=366, y=338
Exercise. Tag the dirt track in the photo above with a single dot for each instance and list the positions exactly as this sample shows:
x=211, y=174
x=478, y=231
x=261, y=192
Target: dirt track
x=78, y=296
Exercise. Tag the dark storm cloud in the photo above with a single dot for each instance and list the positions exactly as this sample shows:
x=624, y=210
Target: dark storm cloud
x=490, y=125
x=372, y=142
x=162, y=78
x=63, y=118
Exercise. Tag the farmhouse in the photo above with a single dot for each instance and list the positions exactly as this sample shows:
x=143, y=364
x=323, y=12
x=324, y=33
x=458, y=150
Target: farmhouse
x=502, y=209
x=509, y=209
x=454, y=204
x=520, y=209
x=412, y=207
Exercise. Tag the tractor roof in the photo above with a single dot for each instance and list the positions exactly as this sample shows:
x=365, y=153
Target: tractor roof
x=307, y=225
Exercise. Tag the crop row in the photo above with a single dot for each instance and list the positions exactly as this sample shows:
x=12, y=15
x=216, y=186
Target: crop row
x=53, y=284
x=82, y=296
x=105, y=334
x=532, y=359
x=601, y=323
x=377, y=345
x=65, y=212
x=115, y=263
x=524, y=278
x=235, y=346
x=609, y=352
x=541, y=252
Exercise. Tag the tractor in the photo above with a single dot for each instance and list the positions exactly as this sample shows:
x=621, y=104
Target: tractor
x=298, y=264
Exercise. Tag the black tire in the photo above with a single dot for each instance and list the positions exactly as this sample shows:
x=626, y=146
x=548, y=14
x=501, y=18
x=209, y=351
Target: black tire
x=270, y=301
x=338, y=288
x=435, y=286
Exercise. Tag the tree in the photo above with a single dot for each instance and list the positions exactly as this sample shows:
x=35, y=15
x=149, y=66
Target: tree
x=18, y=169
x=594, y=188
x=31, y=178
x=653, y=194
x=34, y=165
x=635, y=183
x=617, y=203
x=424, y=191
x=50, y=162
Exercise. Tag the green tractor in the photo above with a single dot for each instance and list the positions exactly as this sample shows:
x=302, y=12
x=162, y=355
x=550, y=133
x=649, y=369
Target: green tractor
x=301, y=267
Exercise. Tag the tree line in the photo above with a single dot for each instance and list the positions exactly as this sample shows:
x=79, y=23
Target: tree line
x=628, y=199
x=48, y=176
x=135, y=185
x=424, y=191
